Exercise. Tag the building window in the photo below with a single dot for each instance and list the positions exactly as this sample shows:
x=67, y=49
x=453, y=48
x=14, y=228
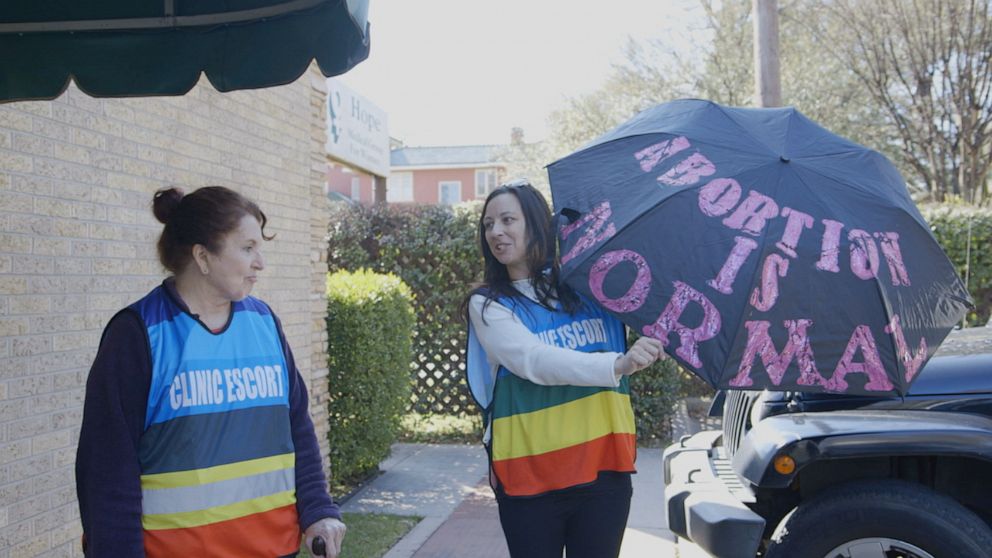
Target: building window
x=399, y=187
x=449, y=192
x=485, y=182
x=356, y=188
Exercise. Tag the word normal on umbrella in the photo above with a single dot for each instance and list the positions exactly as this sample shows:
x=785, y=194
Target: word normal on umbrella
x=722, y=198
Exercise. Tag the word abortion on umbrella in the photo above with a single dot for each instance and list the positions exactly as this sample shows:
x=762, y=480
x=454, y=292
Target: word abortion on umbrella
x=721, y=197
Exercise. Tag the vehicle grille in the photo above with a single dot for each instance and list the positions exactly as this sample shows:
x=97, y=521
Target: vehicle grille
x=724, y=470
x=736, y=418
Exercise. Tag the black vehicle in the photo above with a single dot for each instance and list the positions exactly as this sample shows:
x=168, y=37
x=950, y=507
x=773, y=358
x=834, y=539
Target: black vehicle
x=802, y=475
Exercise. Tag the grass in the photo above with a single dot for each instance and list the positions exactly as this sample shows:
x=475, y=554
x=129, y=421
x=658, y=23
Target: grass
x=371, y=535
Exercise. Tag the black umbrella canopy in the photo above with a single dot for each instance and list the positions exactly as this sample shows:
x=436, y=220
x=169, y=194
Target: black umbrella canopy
x=763, y=250
x=121, y=48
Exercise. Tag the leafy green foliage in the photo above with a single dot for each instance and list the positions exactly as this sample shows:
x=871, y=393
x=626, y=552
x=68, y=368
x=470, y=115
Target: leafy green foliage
x=654, y=392
x=369, y=322
x=441, y=429
x=965, y=233
x=434, y=249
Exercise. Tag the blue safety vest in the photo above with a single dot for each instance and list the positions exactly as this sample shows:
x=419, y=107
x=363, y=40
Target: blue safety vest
x=217, y=456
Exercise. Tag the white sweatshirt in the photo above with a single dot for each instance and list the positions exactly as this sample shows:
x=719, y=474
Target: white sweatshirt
x=508, y=342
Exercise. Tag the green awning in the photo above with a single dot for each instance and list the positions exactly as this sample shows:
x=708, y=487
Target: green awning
x=123, y=48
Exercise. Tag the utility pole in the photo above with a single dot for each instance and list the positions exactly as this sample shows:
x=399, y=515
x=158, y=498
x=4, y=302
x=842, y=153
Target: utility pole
x=767, y=79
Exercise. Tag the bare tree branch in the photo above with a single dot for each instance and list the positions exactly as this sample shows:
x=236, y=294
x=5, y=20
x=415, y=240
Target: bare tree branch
x=927, y=62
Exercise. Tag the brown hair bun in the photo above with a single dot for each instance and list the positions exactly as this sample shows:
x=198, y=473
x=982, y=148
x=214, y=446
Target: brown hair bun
x=165, y=202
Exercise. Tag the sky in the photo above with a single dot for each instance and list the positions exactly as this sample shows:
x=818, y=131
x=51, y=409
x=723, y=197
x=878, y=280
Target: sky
x=465, y=72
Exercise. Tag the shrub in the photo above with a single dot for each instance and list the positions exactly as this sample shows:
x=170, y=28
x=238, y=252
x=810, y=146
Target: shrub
x=965, y=233
x=654, y=392
x=434, y=250
x=369, y=323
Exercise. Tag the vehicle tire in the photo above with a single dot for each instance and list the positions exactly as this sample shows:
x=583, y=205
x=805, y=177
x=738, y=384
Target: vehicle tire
x=883, y=519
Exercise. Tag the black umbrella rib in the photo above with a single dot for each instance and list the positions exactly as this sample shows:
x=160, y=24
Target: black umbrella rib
x=167, y=22
x=744, y=129
x=886, y=303
x=589, y=146
x=851, y=185
x=740, y=330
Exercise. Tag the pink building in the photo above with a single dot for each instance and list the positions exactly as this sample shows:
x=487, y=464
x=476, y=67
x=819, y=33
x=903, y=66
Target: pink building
x=347, y=182
x=444, y=175
x=427, y=175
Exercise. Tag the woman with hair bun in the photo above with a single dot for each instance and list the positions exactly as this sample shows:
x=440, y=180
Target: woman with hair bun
x=196, y=437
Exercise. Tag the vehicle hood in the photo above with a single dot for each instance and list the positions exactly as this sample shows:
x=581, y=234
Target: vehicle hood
x=962, y=364
x=955, y=374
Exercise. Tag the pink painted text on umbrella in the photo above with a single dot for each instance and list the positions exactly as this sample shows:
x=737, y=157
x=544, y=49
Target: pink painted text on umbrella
x=724, y=199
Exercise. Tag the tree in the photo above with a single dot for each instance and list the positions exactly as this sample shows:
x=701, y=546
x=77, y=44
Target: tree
x=928, y=64
x=720, y=68
x=910, y=79
x=823, y=87
x=582, y=119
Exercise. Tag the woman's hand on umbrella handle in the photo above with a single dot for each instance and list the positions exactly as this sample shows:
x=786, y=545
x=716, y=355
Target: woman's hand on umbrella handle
x=329, y=529
x=641, y=354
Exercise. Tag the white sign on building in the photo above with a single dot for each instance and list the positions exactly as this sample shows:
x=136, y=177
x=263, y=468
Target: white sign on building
x=357, y=130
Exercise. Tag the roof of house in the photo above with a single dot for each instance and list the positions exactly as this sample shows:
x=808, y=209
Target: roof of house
x=453, y=155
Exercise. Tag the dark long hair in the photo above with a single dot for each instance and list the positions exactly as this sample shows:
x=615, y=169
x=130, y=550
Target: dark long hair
x=540, y=253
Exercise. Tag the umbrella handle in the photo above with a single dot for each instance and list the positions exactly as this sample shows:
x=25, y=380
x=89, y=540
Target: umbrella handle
x=318, y=546
x=571, y=214
x=562, y=217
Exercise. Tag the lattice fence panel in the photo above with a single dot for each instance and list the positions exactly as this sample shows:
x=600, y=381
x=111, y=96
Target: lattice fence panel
x=438, y=374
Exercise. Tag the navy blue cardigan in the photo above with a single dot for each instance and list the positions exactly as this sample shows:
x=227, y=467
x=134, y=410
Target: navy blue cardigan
x=107, y=473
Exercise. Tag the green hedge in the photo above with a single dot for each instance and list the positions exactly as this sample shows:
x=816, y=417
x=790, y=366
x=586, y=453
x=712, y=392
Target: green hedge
x=369, y=322
x=954, y=225
x=434, y=250
x=654, y=392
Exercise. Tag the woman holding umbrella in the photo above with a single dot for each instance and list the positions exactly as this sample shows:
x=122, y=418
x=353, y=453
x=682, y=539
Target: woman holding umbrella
x=196, y=438
x=551, y=371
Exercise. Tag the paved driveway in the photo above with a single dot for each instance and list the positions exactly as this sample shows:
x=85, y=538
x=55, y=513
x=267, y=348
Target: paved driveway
x=446, y=485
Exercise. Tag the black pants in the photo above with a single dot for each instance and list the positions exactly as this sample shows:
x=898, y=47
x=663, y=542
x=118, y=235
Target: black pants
x=587, y=521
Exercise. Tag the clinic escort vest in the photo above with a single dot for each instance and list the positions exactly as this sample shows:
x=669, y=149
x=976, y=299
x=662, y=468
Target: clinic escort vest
x=547, y=438
x=217, y=457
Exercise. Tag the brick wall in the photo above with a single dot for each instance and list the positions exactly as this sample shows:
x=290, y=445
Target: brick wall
x=77, y=243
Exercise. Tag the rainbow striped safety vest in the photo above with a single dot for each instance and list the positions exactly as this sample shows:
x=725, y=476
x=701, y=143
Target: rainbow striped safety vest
x=217, y=457
x=547, y=438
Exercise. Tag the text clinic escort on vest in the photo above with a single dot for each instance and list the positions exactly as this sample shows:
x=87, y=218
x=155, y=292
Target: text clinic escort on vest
x=211, y=387
x=576, y=334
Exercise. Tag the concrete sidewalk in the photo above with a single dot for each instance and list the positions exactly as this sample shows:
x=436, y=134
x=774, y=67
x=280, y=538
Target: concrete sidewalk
x=448, y=486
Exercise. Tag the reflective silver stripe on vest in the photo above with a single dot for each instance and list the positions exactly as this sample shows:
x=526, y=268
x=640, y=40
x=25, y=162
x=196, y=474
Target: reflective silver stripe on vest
x=196, y=498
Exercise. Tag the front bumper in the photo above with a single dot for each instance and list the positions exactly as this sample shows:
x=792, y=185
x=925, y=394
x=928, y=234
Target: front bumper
x=705, y=499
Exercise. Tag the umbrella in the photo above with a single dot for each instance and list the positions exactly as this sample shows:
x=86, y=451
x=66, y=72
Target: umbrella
x=114, y=48
x=763, y=250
